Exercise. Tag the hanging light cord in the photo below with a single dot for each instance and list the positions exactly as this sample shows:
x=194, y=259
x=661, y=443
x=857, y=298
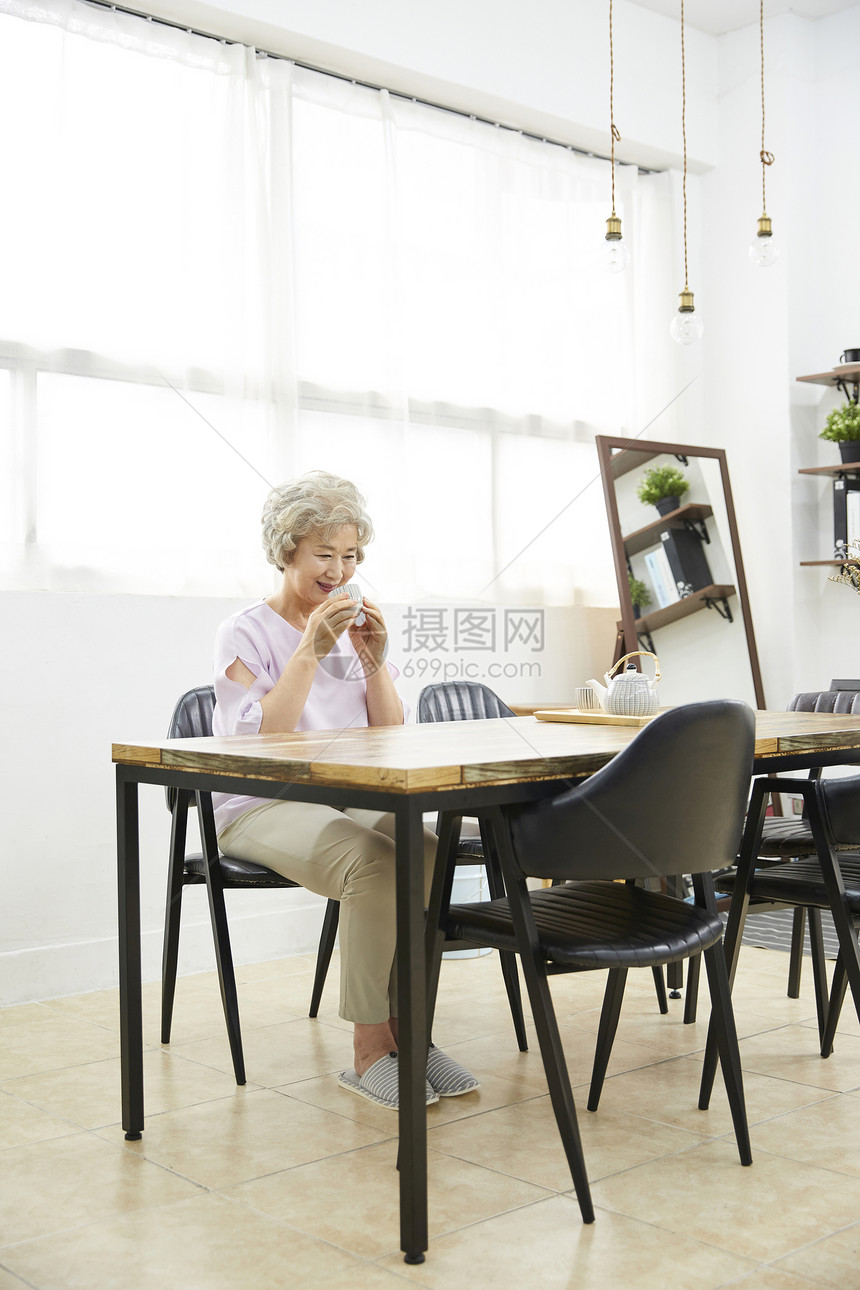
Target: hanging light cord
x=613, y=131
x=684, y=136
x=766, y=157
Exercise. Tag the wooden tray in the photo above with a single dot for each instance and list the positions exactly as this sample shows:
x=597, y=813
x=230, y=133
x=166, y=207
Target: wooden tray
x=589, y=717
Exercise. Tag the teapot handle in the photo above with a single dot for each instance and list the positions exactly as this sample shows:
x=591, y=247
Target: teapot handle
x=639, y=653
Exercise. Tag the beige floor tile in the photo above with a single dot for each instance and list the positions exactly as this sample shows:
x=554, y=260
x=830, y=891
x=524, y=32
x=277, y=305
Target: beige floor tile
x=54, y=1042
x=10, y=1282
x=90, y=1096
x=21, y=1013
x=352, y=1200
x=278, y=1054
x=706, y=1191
x=59, y=1184
x=21, y=1123
x=218, y=1144
x=772, y=1279
x=369, y=1276
x=826, y=1134
x=523, y=1141
x=669, y=1091
x=548, y=1245
x=207, y=1243
x=791, y=1052
x=832, y=1262
x=297, y=965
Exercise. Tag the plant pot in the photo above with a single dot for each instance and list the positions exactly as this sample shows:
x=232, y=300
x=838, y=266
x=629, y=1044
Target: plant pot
x=637, y=611
x=849, y=450
x=667, y=504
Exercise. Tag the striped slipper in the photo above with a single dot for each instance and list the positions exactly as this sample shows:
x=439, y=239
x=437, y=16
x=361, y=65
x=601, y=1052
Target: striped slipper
x=379, y=1083
x=447, y=1077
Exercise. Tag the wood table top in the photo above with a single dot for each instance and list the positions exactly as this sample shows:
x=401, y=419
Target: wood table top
x=451, y=754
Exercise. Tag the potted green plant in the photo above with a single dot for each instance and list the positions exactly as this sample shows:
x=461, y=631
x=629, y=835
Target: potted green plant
x=639, y=594
x=843, y=427
x=663, y=487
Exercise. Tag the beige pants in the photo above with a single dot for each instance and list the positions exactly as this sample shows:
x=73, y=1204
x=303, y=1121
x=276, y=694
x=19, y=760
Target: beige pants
x=346, y=856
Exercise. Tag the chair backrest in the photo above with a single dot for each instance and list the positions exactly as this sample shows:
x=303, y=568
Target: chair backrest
x=673, y=801
x=192, y=717
x=836, y=699
x=460, y=701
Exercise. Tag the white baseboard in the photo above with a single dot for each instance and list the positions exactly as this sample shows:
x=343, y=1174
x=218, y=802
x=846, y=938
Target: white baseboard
x=51, y=971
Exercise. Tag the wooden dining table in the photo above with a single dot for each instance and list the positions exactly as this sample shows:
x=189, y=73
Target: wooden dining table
x=457, y=767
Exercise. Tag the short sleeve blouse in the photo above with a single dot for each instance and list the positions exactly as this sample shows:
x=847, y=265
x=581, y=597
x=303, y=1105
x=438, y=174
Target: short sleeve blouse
x=265, y=642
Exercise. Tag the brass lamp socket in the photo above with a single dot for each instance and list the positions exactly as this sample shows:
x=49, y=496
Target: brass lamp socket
x=613, y=229
x=686, y=305
x=765, y=228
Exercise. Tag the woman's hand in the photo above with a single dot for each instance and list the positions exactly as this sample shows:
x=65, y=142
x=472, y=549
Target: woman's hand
x=370, y=638
x=326, y=624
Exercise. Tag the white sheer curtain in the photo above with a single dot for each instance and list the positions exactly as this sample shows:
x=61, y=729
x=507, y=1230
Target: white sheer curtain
x=228, y=270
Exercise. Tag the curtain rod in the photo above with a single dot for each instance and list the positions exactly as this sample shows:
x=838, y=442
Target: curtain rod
x=352, y=80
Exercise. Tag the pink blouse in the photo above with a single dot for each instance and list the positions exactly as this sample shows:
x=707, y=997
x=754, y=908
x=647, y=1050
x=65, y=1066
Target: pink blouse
x=265, y=642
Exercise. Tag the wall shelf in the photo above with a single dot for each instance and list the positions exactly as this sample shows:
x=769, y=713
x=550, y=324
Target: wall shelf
x=840, y=378
x=693, y=515
x=701, y=599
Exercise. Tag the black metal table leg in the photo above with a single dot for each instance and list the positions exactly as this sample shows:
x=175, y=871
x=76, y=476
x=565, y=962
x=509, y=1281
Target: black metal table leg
x=412, y=1032
x=130, y=1008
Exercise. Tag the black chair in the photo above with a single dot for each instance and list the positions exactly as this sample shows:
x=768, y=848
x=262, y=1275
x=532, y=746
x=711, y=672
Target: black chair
x=790, y=838
x=830, y=879
x=193, y=717
x=472, y=701
x=671, y=802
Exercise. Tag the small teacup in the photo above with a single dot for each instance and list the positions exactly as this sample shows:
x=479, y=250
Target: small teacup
x=585, y=699
x=353, y=590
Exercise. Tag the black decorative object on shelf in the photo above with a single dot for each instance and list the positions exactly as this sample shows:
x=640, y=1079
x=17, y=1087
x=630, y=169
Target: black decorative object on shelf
x=687, y=559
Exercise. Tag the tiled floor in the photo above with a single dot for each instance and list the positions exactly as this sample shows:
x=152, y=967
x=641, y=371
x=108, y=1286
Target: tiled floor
x=290, y=1182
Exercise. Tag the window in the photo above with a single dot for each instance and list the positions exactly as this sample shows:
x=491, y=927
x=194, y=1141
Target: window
x=240, y=270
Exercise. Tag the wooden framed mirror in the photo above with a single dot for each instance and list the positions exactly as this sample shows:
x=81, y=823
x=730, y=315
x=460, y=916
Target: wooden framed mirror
x=689, y=558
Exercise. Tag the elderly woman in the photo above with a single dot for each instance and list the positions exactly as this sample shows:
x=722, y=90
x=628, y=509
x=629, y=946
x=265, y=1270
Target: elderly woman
x=299, y=660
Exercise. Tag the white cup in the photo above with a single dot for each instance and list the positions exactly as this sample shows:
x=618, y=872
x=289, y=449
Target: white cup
x=353, y=591
x=585, y=699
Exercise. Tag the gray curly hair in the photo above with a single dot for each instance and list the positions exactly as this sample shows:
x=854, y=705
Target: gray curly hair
x=315, y=503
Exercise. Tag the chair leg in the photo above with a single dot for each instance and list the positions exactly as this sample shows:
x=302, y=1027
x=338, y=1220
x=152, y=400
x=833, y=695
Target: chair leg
x=660, y=989
x=324, y=953
x=508, y=961
x=691, y=1000
x=534, y=971
x=726, y=1036
x=173, y=911
x=613, y=997
x=795, y=962
x=221, y=936
x=834, y=1006
x=819, y=968
x=750, y=846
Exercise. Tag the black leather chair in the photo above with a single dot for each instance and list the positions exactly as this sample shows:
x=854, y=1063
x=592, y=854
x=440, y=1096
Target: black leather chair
x=672, y=802
x=193, y=717
x=473, y=701
x=790, y=838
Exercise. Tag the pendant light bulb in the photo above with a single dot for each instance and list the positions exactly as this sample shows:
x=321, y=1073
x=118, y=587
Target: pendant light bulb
x=616, y=257
x=763, y=253
x=686, y=326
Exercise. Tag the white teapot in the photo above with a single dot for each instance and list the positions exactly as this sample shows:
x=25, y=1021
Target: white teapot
x=631, y=694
